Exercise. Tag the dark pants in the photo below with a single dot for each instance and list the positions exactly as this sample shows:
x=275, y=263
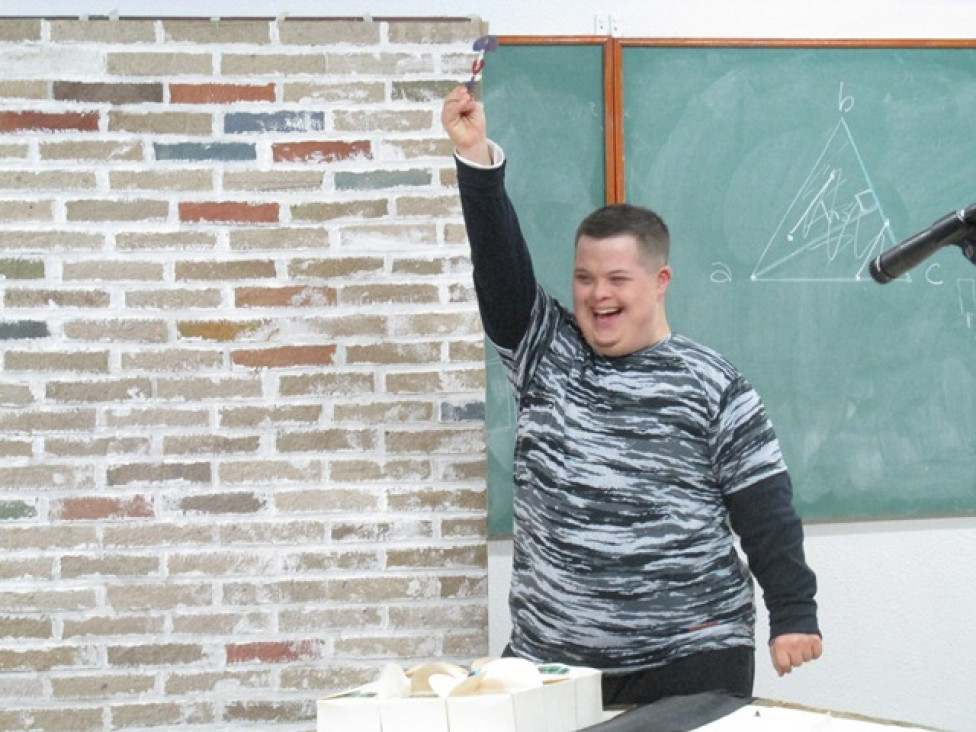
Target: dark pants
x=731, y=671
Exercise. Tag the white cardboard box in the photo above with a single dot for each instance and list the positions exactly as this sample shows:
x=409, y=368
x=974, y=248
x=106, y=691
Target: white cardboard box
x=348, y=713
x=573, y=699
x=523, y=711
x=567, y=705
x=414, y=713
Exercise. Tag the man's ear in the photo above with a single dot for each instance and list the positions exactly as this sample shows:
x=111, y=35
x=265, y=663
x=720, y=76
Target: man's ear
x=664, y=278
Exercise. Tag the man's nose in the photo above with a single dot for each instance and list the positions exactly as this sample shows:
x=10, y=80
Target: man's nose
x=601, y=288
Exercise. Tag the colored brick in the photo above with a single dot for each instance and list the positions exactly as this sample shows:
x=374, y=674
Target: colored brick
x=23, y=329
x=310, y=151
x=277, y=238
x=181, y=241
x=100, y=150
x=236, y=417
x=113, y=271
x=336, y=267
x=470, y=412
x=421, y=91
x=205, y=151
x=172, y=299
x=14, y=510
x=379, y=179
x=157, y=180
x=219, y=330
x=360, y=92
x=243, y=122
x=49, y=121
x=434, y=31
x=220, y=93
x=120, y=330
x=17, y=298
x=222, y=31
x=358, y=32
x=273, y=652
x=26, y=211
x=361, y=294
x=383, y=121
x=285, y=356
x=234, y=270
x=284, y=297
x=117, y=390
x=321, y=211
x=159, y=473
x=379, y=63
x=173, y=359
x=102, y=30
x=158, y=64
x=159, y=123
x=229, y=212
x=272, y=64
x=41, y=361
x=222, y=503
x=207, y=389
x=107, y=93
x=162, y=654
x=14, y=30
x=93, y=508
x=329, y=440
x=211, y=445
x=108, y=210
x=273, y=180
x=54, y=180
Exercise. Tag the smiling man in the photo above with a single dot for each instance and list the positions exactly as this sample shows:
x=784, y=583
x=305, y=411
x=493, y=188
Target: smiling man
x=639, y=452
x=620, y=276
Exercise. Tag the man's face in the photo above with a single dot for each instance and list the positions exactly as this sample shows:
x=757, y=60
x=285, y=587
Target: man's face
x=618, y=297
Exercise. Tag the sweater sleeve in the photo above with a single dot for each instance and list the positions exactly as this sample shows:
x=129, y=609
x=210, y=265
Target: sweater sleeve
x=771, y=534
x=504, y=280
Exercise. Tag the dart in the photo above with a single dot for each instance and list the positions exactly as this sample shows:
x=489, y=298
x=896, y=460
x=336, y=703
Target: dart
x=483, y=45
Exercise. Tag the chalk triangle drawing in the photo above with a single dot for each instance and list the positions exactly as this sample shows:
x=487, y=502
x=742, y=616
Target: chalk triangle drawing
x=835, y=225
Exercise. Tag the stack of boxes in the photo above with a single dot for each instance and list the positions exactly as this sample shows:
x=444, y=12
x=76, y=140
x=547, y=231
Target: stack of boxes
x=503, y=695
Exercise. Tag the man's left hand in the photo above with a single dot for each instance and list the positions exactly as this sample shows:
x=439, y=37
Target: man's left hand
x=792, y=650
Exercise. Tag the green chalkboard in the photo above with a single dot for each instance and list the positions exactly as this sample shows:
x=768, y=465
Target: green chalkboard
x=781, y=171
x=544, y=105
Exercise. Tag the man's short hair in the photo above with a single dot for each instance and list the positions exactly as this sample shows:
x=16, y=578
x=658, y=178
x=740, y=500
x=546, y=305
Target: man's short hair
x=616, y=219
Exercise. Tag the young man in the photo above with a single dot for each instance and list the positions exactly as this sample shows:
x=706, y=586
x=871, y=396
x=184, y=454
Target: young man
x=638, y=453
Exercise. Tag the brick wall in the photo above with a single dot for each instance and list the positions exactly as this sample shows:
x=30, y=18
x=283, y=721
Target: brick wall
x=241, y=394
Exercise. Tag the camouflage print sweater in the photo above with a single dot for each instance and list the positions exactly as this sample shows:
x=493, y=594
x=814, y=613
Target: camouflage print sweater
x=630, y=475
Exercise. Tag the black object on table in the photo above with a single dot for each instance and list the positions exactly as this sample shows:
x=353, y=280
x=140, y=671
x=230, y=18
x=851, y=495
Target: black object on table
x=674, y=714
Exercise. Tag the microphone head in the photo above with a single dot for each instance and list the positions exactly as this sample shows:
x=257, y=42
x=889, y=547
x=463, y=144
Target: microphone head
x=878, y=274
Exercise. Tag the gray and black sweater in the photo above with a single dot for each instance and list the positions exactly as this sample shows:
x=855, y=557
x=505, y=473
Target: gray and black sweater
x=631, y=475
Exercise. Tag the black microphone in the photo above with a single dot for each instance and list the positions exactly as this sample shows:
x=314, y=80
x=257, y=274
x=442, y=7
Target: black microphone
x=953, y=228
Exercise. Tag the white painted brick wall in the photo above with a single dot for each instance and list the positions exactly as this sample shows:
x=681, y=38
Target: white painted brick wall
x=241, y=398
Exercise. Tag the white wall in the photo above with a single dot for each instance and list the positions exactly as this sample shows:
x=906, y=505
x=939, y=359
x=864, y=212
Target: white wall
x=635, y=18
x=896, y=609
x=897, y=598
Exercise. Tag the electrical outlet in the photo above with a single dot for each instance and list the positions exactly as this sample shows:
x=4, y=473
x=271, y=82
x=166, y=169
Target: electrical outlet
x=605, y=24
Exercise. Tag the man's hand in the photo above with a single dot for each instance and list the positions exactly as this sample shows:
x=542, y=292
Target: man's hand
x=792, y=650
x=464, y=120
